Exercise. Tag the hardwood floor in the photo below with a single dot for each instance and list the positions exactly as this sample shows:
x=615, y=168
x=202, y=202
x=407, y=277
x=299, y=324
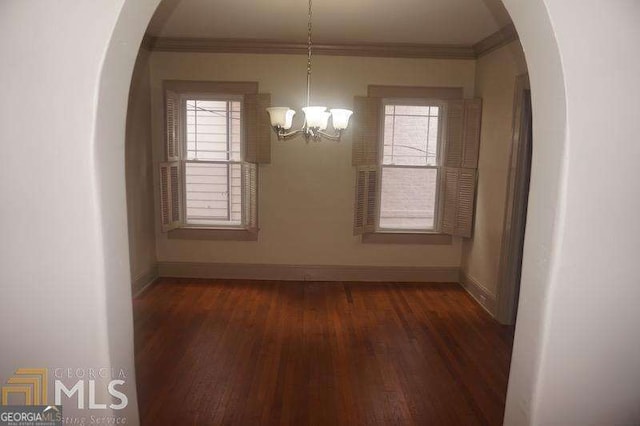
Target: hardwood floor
x=216, y=352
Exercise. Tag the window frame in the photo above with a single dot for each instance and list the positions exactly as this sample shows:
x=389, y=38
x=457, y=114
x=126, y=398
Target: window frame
x=183, y=96
x=413, y=101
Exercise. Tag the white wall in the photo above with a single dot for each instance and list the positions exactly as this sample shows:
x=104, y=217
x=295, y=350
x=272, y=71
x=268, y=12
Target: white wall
x=307, y=192
x=496, y=75
x=139, y=176
x=577, y=348
x=64, y=272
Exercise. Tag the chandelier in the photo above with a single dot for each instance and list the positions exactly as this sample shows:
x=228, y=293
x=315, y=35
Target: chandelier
x=316, y=118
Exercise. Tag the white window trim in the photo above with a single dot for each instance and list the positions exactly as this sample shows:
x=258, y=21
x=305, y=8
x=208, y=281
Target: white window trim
x=439, y=163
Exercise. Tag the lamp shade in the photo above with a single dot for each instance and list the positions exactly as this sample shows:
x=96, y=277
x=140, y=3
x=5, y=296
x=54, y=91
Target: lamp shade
x=281, y=117
x=340, y=118
x=316, y=116
x=324, y=120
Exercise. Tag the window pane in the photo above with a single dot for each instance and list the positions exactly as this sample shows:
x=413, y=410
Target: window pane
x=408, y=198
x=410, y=135
x=213, y=130
x=213, y=194
x=412, y=110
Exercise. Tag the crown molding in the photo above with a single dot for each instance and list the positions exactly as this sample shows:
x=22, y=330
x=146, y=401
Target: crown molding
x=383, y=50
x=494, y=41
x=500, y=38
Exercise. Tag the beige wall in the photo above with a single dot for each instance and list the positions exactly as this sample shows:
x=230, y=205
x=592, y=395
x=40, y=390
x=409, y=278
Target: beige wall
x=495, y=84
x=139, y=175
x=306, y=193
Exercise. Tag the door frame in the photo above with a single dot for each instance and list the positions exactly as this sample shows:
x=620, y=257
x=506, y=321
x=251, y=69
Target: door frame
x=516, y=204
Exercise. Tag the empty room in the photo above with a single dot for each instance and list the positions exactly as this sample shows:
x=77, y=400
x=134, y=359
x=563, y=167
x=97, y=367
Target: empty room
x=298, y=264
x=220, y=212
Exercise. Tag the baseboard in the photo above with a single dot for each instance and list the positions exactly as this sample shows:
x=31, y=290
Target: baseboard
x=144, y=281
x=308, y=272
x=479, y=293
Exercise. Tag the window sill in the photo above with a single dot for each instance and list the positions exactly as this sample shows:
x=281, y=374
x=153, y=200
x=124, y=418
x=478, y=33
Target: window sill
x=213, y=234
x=408, y=238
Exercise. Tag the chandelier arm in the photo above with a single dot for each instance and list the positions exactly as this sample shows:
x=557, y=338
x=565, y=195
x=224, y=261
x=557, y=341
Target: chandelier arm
x=309, y=133
x=335, y=137
x=287, y=135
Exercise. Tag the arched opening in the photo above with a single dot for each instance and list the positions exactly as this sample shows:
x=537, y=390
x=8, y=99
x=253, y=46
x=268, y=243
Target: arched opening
x=547, y=200
x=64, y=277
x=550, y=193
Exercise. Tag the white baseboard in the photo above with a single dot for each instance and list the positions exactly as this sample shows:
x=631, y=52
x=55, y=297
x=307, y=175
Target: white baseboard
x=308, y=272
x=143, y=281
x=479, y=293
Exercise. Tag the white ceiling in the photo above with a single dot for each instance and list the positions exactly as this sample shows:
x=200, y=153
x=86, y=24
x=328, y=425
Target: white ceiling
x=334, y=21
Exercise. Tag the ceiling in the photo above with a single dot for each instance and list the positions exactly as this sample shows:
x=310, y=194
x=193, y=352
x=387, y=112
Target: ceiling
x=334, y=21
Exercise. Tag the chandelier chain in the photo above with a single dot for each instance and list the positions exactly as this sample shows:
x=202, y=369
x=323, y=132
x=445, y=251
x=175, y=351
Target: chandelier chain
x=309, y=56
x=316, y=118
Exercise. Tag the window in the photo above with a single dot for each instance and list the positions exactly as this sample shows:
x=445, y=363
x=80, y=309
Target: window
x=416, y=162
x=216, y=135
x=213, y=161
x=410, y=166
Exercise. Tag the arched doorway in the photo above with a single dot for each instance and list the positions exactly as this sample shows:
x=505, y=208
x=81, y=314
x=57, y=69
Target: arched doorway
x=575, y=360
x=542, y=258
x=548, y=124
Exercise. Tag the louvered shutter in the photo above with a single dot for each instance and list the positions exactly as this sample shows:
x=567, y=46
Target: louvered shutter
x=366, y=124
x=172, y=125
x=365, y=211
x=250, y=196
x=366, y=137
x=372, y=197
x=170, y=196
x=462, y=145
x=458, y=201
x=454, y=133
x=257, y=127
x=471, y=133
x=449, y=200
x=466, y=202
x=360, y=202
x=462, y=141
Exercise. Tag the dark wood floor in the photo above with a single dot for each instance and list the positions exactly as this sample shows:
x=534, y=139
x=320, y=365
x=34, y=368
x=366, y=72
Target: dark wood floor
x=302, y=353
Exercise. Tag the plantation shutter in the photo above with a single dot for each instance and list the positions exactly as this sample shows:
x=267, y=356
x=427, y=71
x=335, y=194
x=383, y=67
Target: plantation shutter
x=458, y=202
x=170, y=196
x=471, y=137
x=172, y=126
x=455, y=125
x=462, y=145
x=170, y=177
x=250, y=194
x=257, y=127
x=367, y=178
x=365, y=156
x=366, y=134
